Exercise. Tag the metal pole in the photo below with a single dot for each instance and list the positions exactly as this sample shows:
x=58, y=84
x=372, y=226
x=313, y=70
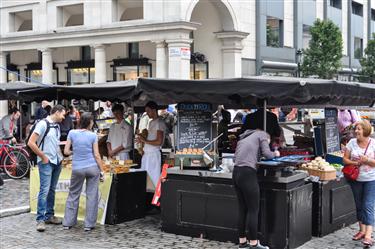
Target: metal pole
x=265, y=115
x=19, y=108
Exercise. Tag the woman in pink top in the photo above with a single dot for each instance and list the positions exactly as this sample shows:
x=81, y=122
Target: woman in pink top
x=347, y=118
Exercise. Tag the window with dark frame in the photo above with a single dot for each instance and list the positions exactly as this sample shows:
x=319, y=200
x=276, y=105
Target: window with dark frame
x=358, y=48
x=373, y=15
x=40, y=56
x=81, y=72
x=199, y=71
x=336, y=4
x=133, y=50
x=85, y=53
x=274, y=32
x=8, y=59
x=357, y=9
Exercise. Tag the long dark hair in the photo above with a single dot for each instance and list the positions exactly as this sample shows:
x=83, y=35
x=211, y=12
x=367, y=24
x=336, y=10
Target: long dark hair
x=85, y=120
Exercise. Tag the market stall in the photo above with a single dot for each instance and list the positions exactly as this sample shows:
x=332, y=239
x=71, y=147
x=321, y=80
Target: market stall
x=203, y=203
x=199, y=202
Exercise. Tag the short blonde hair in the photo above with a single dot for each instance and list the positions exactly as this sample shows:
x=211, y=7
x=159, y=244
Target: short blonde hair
x=366, y=126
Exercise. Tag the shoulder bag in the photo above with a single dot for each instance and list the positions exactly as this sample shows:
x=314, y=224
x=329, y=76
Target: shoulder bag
x=350, y=171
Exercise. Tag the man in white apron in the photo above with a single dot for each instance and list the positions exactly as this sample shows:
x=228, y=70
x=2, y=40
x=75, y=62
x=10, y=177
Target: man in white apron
x=120, y=136
x=151, y=159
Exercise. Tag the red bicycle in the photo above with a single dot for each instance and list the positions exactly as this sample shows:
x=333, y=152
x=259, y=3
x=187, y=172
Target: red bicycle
x=14, y=160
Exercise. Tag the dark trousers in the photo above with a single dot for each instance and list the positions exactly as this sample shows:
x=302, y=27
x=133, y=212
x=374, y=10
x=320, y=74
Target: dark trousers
x=247, y=189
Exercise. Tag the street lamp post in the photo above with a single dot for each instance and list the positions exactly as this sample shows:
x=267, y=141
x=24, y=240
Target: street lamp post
x=299, y=60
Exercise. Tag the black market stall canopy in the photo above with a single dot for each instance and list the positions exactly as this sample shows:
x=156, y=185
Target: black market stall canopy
x=113, y=91
x=244, y=92
x=232, y=93
x=10, y=90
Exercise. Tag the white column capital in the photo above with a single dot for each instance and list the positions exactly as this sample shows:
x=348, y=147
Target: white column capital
x=179, y=42
x=98, y=46
x=45, y=50
x=232, y=40
x=160, y=43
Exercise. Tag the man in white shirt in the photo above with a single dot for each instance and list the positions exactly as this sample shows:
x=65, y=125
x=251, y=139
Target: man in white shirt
x=120, y=137
x=151, y=159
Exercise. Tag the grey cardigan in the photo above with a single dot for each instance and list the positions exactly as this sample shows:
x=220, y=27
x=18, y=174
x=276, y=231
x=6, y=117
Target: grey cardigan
x=252, y=145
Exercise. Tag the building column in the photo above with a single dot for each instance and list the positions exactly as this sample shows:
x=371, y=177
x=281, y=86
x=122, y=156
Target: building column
x=232, y=52
x=344, y=30
x=161, y=60
x=365, y=24
x=47, y=66
x=179, y=58
x=320, y=9
x=3, y=79
x=100, y=64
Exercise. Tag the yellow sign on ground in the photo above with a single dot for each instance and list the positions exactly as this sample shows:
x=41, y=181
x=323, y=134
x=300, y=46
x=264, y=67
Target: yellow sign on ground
x=62, y=190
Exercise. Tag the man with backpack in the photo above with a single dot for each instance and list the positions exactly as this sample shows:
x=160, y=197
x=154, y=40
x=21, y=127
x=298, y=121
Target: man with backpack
x=44, y=142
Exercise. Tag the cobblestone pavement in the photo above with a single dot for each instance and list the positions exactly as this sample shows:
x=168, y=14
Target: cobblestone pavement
x=14, y=193
x=18, y=232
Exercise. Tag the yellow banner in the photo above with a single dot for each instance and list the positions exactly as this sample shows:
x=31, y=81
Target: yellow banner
x=62, y=190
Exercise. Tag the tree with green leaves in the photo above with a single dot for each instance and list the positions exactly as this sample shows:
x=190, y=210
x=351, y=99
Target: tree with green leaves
x=323, y=57
x=367, y=73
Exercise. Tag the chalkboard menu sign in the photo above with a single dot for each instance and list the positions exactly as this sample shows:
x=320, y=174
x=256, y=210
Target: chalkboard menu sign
x=194, y=128
x=331, y=130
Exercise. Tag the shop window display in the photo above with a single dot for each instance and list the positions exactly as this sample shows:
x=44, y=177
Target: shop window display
x=81, y=75
x=131, y=69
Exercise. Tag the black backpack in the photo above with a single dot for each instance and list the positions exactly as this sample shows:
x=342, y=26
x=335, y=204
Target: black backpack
x=33, y=156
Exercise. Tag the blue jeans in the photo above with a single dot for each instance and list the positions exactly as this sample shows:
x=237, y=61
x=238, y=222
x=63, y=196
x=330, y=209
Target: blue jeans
x=364, y=197
x=49, y=175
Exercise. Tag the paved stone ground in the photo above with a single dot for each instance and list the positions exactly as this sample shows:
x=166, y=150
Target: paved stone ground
x=14, y=193
x=18, y=232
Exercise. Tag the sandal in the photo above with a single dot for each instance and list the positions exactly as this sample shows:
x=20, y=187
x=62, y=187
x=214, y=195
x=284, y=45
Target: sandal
x=358, y=236
x=367, y=242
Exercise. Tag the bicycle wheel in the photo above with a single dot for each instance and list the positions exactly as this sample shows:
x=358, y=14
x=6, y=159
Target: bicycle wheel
x=16, y=164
